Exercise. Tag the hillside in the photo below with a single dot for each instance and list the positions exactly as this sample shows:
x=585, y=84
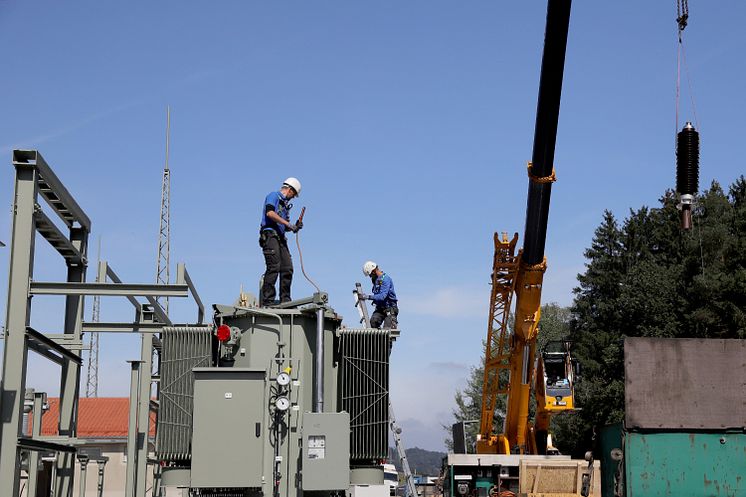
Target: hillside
x=421, y=461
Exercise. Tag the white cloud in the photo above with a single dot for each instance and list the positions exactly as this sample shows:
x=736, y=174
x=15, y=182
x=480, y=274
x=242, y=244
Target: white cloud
x=452, y=366
x=423, y=404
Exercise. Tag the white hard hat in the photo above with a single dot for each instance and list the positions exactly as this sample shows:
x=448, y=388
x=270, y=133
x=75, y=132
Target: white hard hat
x=294, y=184
x=369, y=267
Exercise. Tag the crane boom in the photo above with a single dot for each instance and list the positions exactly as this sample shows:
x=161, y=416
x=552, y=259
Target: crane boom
x=545, y=131
x=519, y=434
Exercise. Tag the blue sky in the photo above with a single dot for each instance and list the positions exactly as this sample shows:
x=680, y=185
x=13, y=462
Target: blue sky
x=409, y=124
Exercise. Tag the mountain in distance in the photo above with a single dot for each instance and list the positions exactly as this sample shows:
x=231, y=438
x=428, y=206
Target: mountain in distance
x=421, y=461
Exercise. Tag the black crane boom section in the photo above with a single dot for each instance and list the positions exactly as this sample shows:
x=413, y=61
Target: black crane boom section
x=545, y=132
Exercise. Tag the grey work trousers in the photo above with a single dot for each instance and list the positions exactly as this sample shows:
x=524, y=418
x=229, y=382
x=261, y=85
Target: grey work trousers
x=279, y=262
x=387, y=317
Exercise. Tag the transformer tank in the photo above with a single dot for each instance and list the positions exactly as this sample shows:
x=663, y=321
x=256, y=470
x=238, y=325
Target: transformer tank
x=274, y=402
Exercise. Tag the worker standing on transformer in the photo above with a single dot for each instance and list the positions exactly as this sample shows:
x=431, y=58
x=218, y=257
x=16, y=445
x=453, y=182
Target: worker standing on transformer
x=275, y=222
x=383, y=297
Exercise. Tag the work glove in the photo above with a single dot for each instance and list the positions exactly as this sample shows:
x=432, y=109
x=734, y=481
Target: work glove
x=362, y=296
x=299, y=224
x=292, y=227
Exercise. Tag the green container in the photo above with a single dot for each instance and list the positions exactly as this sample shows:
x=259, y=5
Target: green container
x=612, y=471
x=484, y=482
x=675, y=464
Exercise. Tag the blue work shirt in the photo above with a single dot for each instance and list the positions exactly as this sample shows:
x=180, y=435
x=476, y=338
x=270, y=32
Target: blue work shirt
x=281, y=206
x=383, y=295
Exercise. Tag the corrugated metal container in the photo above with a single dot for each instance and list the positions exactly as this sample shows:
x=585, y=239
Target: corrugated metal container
x=612, y=469
x=685, y=421
x=675, y=464
x=685, y=464
x=684, y=383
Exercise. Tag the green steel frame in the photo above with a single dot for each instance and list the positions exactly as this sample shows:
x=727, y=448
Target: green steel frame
x=35, y=180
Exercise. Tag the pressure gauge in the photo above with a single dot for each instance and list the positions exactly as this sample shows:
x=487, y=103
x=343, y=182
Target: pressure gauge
x=283, y=379
x=282, y=404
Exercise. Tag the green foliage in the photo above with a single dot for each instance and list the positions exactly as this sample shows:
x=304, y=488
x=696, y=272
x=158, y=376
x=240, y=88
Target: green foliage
x=421, y=461
x=469, y=405
x=649, y=278
x=554, y=325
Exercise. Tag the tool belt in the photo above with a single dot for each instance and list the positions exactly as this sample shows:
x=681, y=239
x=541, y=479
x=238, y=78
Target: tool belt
x=264, y=235
x=390, y=311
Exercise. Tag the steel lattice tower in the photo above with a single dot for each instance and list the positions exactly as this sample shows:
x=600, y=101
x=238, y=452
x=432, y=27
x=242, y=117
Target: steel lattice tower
x=91, y=386
x=163, y=272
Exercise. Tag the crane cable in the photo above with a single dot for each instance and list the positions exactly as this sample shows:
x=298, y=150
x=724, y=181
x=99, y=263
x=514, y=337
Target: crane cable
x=682, y=20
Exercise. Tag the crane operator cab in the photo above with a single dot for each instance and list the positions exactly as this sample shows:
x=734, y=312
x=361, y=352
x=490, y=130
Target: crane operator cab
x=556, y=370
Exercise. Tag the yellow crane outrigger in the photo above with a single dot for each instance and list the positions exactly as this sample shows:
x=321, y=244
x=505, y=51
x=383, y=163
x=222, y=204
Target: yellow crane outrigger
x=511, y=365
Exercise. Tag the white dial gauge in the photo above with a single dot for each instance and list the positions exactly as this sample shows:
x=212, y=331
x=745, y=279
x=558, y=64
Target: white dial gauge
x=283, y=379
x=282, y=403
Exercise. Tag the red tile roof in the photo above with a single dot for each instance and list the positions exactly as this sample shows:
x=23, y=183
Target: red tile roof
x=100, y=417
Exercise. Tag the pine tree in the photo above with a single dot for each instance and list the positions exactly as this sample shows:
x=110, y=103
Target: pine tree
x=649, y=278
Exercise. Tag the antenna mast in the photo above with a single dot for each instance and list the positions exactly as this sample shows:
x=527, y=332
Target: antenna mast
x=163, y=272
x=91, y=386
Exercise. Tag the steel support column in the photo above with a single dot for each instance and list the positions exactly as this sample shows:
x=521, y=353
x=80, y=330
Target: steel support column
x=70, y=382
x=17, y=318
x=33, y=459
x=131, y=474
x=143, y=411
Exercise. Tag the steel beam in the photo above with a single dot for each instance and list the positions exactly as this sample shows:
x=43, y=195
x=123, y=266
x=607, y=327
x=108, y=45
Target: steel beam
x=51, y=188
x=67, y=342
x=158, y=310
x=182, y=275
x=108, y=289
x=18, y=308
x=56, y=239
x=45, y=445
x=104, y=271
x=124, y=327
x=43, y=345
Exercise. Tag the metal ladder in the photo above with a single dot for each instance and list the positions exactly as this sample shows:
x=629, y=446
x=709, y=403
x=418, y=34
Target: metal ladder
x=395, y=429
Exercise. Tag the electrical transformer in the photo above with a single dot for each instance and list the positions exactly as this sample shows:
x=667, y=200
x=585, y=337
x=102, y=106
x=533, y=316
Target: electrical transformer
x=279, y=401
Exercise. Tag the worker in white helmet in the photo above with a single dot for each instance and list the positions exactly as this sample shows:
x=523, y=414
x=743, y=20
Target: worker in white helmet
x=275, y=223
x=383, y=297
